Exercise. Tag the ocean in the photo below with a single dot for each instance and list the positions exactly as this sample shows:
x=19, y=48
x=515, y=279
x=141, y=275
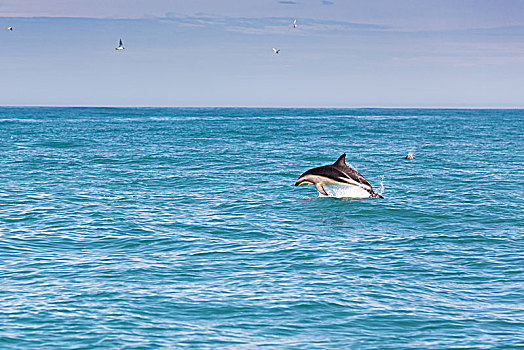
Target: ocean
x=156, y=228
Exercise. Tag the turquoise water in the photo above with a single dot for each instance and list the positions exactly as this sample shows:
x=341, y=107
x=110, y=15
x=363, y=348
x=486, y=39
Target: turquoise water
x=148, y=228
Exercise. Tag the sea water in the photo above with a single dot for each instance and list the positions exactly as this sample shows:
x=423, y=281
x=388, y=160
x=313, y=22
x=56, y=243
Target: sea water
x=147, y=228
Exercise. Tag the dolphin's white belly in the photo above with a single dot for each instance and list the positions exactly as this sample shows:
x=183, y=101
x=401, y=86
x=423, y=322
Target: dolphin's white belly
x=322, y=180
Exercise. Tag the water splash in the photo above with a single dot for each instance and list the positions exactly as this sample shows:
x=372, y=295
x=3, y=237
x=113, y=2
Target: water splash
x=350, y=191
x=381, y=189
x=345, y=192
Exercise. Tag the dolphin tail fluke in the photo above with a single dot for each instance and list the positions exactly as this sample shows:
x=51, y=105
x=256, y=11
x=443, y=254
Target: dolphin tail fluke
x=320, y=189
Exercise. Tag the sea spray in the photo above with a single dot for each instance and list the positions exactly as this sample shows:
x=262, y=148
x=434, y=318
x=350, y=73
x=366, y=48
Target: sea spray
x=381, y=189
x=345, y=192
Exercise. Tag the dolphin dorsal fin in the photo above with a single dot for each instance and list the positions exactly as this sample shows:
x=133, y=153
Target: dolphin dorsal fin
x=341, y=161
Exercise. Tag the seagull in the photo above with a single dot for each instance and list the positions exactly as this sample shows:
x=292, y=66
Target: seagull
x=10, y=28
x=120, y=46
x=295, y=23
x=276, y=51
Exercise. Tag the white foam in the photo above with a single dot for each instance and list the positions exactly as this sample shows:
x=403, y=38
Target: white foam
x=345, y=192
x=350, y=191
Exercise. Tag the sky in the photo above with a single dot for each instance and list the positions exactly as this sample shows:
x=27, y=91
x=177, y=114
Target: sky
x=344, y=53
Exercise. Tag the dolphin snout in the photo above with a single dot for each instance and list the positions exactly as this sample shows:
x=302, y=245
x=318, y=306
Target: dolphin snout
x=300, y=181
x=303, y=179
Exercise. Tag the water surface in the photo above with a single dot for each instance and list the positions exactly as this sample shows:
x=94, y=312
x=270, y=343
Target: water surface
x=148, y=228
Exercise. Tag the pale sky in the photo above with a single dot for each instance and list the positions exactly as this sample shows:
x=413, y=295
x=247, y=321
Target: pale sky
x=384, y=53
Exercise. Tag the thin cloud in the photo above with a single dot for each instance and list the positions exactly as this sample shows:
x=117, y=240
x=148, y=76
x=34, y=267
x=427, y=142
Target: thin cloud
x=287, y=2
x=271, y=25
x=461, y=61
x=326, y=2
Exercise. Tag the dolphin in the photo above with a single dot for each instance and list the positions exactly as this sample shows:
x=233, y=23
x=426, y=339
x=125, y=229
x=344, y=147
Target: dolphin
x=338, y=173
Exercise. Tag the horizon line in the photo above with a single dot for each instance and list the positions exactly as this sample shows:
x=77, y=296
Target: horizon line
x=267, y=107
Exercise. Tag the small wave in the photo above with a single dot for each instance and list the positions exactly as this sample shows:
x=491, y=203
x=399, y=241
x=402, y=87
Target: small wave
x=386, y=117
x=22, y=120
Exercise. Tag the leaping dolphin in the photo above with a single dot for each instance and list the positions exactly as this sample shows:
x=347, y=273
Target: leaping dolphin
x=339, y=174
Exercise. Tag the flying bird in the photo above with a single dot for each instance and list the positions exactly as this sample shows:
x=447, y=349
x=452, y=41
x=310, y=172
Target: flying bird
x=120, y=46
x=276, y=51
x=10, y=28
